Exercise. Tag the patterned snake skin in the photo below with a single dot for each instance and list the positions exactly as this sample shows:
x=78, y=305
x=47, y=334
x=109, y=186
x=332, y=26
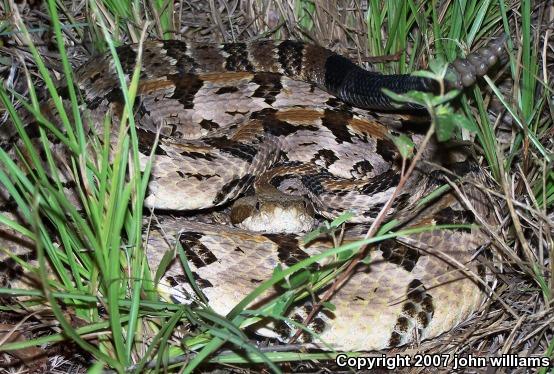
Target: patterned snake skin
x=290, y=117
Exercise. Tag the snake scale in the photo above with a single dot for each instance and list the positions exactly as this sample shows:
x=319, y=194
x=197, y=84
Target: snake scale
x=295, y=128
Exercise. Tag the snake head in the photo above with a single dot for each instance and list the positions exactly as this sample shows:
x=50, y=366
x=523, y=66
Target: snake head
x=273, y=213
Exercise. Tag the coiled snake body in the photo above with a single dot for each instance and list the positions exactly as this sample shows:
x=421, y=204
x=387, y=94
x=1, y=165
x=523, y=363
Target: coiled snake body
x=294, y=117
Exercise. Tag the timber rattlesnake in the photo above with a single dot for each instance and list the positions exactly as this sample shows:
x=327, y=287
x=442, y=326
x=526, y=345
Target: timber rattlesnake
x=294, y=117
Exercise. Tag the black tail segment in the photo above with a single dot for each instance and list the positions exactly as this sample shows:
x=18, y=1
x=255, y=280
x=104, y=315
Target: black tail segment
x=364, y=89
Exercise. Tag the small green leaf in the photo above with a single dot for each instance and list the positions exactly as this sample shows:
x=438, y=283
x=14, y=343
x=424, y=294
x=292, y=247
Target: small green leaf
x=315, y=234
x=443, y=110
x=404, y=145
x=445, y=127
x=167, y=257
x=438, y=66
x=328, y=228
x=441, y=99
x=436, y=193
x=465, y=122
x=315, y=277
x=96, y=368
x=366, y=260
x=345, y=255
x=401, y=98
x=329, y=306
x=277, y=271
x=299, y=278
x=413, y=97
x=343, y=218
x=447, y=122
x=424, y=74
x=280, y=306
x=420, y=97
x=388, y=227
x=451, y=75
